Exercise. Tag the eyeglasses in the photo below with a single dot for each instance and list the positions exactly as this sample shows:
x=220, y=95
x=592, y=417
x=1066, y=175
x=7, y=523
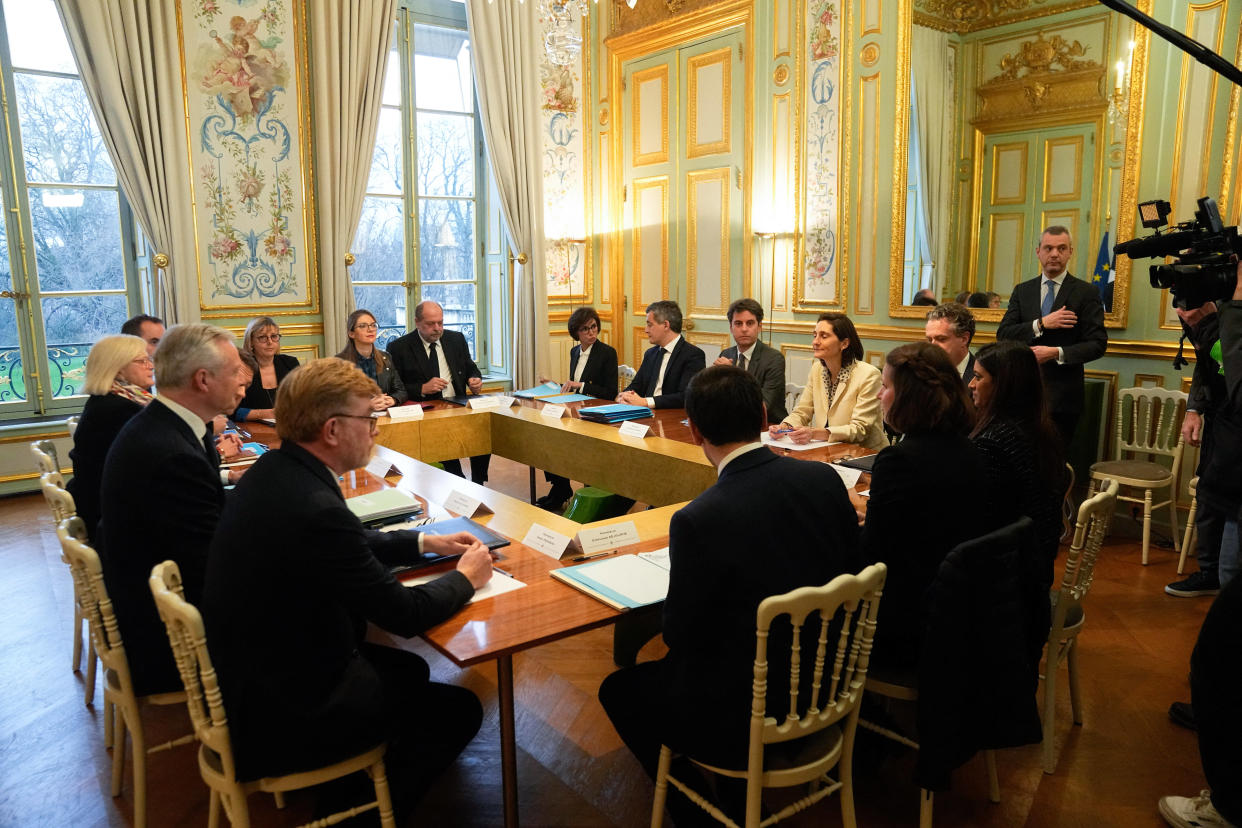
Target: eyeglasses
x=142, y=360
x=373, y=417
x=267, y=338
x=588, y=328
x=366, y=326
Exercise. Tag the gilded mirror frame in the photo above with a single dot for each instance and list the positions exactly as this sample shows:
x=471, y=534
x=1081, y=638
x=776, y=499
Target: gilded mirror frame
x=1126, y=204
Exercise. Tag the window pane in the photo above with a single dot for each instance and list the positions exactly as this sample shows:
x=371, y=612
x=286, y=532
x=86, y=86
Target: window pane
x=59, y=136
x=36, y=38
x=72, y=324
x=386, y=162
x=446, y=233
x=458, y=304
x=392, y=73
x=442, y=74
x=445, y=154
x=77, y=235
x=379, y=246
x=12, y=379
x=387, y=305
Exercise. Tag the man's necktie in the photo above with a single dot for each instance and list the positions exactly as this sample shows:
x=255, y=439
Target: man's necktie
x=1050, y=293
x=741, y=360
x=435, y=360
x=209, y=446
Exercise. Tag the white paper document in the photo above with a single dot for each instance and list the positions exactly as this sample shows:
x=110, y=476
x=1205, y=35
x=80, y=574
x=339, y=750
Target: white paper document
x=631, y=577
x=848, y=476
x=659, y=557
x=785, y=443
x=498, y=585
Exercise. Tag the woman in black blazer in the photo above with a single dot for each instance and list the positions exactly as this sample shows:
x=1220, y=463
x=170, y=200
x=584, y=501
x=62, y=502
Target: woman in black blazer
x=594, y=374
x=928, y=492
x=362, y=329
x=262, y=341
x=119, y=376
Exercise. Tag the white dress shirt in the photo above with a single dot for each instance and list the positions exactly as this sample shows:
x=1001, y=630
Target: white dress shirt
x=1059, y=281
x=668, y=354
x=582, y=361
x=445, y=374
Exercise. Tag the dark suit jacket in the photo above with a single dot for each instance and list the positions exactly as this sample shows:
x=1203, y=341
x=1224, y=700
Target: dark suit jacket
x=389, y=380
x=767, y=366
x=914, y=517
x=599, y=377
x=103, y=417
x=292, y=580
x=685, y=361
x=1084, y=342
x=259, y=397
x=160, y=498
x=410, y=357
x=724, y=563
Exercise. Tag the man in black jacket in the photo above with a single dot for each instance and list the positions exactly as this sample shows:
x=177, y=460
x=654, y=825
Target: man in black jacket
x=1062, y=319
x=435, y=362
x=669, y=364
x=292, y=580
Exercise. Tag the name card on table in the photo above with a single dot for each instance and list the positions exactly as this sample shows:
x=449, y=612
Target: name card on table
x=401, y=413
x=633, y=429
x=848, y=476
x=554, y=412
x=465, y=505
x=607, y=537
x=478, y=403
x=504, y=400
x=545, y=540
x=379, y=467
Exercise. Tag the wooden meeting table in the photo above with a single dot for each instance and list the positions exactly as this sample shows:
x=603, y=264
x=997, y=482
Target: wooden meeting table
x=663, y=469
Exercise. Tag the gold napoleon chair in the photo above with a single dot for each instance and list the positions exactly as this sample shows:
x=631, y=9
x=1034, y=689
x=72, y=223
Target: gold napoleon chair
x=1067, y=616
x=122, y=708
x=206, y=703
x=61, y=504
x=825, y=728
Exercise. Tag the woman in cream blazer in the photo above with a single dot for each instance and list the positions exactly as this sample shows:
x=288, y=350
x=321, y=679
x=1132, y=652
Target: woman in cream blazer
x=853, y=416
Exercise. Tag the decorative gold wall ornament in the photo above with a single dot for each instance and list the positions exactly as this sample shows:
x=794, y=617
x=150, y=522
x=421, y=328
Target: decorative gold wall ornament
x=780, y=75
x=1040, y=56
x=964, y=16
x=1046, y=93
x=870, y=55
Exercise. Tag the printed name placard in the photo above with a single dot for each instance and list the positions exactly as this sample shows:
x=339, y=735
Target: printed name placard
x=465, y=505
x=399, y=413
x=477, y=403
x=632, y=429
x=504, y=400
x=379, y=467
x=607, y=537
x=545, y=540
x=554, y=412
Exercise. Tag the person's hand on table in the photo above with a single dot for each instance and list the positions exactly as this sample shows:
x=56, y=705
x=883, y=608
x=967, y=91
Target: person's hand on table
x=475, y=383
x=801, y=435
x=229, y=445
x=570, y=387
x=382, y=402
x=454, y=544
x=475, y=563
x=630, y=398
x=434, y=386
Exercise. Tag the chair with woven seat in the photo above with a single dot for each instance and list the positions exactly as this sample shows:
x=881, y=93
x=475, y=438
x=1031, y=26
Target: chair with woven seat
x=1067, y=614
x=817, y=734
x=1191, y=536
x=61, y=504
x=122, y=708
x=1149, y=423
x=206, y=704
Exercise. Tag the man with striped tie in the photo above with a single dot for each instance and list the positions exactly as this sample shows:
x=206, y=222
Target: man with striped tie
x=1062, y=319
x=763, y=363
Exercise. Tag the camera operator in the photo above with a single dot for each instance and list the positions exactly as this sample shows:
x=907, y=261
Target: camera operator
x=1216, y=663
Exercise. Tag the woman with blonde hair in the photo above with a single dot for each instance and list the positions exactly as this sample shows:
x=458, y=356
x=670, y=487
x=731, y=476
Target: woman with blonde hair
x=362, y=330
x=262, y=341
x=119, y=376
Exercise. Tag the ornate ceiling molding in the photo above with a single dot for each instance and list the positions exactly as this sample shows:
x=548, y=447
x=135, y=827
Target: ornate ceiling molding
x=965, y=16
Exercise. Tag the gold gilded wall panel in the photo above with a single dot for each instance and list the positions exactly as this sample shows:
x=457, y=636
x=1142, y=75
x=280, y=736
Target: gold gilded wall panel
x=1196, y=109
x=784, y=165
x=649, y=104
x=1009, y=166
x=782, y=28
x=707, y=248
x=1062, y=155
x=872, y=17
x=649, y=245
x=869, y=179
x=708, y=122
x=1003, y=267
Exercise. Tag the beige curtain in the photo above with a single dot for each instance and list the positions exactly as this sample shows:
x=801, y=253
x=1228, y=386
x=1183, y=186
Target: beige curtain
x=505, y=41
x=128, y=55
x=349, y=55
x=931, y=65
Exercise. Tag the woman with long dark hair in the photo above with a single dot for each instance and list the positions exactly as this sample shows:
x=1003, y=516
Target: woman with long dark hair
x=362, y=330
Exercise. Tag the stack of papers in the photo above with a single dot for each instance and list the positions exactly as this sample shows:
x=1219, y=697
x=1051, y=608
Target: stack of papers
x=546, y=390
x=615, y=413
x=248, y=454
x=384, y=506
x=624, y=582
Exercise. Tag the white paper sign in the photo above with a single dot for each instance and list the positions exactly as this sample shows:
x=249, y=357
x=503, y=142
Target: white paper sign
x=465, y=505
x=848, y=475
x=504, y=400
x=545, y=540
x=632, y=429
x=607, y=537
x=400, y=413
x=381, y=467
x=555, y=412
x=477, y=403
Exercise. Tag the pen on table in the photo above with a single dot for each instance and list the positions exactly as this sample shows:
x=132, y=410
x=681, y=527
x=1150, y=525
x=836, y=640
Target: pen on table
x=591, y=557
x=502, y=571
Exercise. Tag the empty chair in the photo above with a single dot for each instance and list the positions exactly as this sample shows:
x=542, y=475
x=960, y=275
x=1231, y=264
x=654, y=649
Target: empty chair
x=1067, y=614
x=817, y=734
x=1149, y=424
x=122, y=709
x=206, y=704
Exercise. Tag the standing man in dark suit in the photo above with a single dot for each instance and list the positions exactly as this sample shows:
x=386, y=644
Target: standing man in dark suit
x=1062, y=319
x=724, y=563
x=668, y=365
x=763, y=363
x=433, y=362
x=293, y=578
x=951, y=327
x=161, y=493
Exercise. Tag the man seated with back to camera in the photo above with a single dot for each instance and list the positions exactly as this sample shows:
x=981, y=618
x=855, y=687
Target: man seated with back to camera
x=292, y=580
x=724, y=562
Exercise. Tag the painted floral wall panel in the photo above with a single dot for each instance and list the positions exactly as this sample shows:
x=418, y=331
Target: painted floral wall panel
x=244, y=85
x=823, y=108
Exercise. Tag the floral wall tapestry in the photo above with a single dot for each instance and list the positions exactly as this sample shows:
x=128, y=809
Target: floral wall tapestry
x=241, y=64
x=823, y=108
x=564, y=187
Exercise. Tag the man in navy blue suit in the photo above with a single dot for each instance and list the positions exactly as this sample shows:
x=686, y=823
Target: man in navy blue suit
x=668, y=366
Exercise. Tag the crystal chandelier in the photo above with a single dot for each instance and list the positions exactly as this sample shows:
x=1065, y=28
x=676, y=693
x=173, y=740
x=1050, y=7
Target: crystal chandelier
x=563, y=41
